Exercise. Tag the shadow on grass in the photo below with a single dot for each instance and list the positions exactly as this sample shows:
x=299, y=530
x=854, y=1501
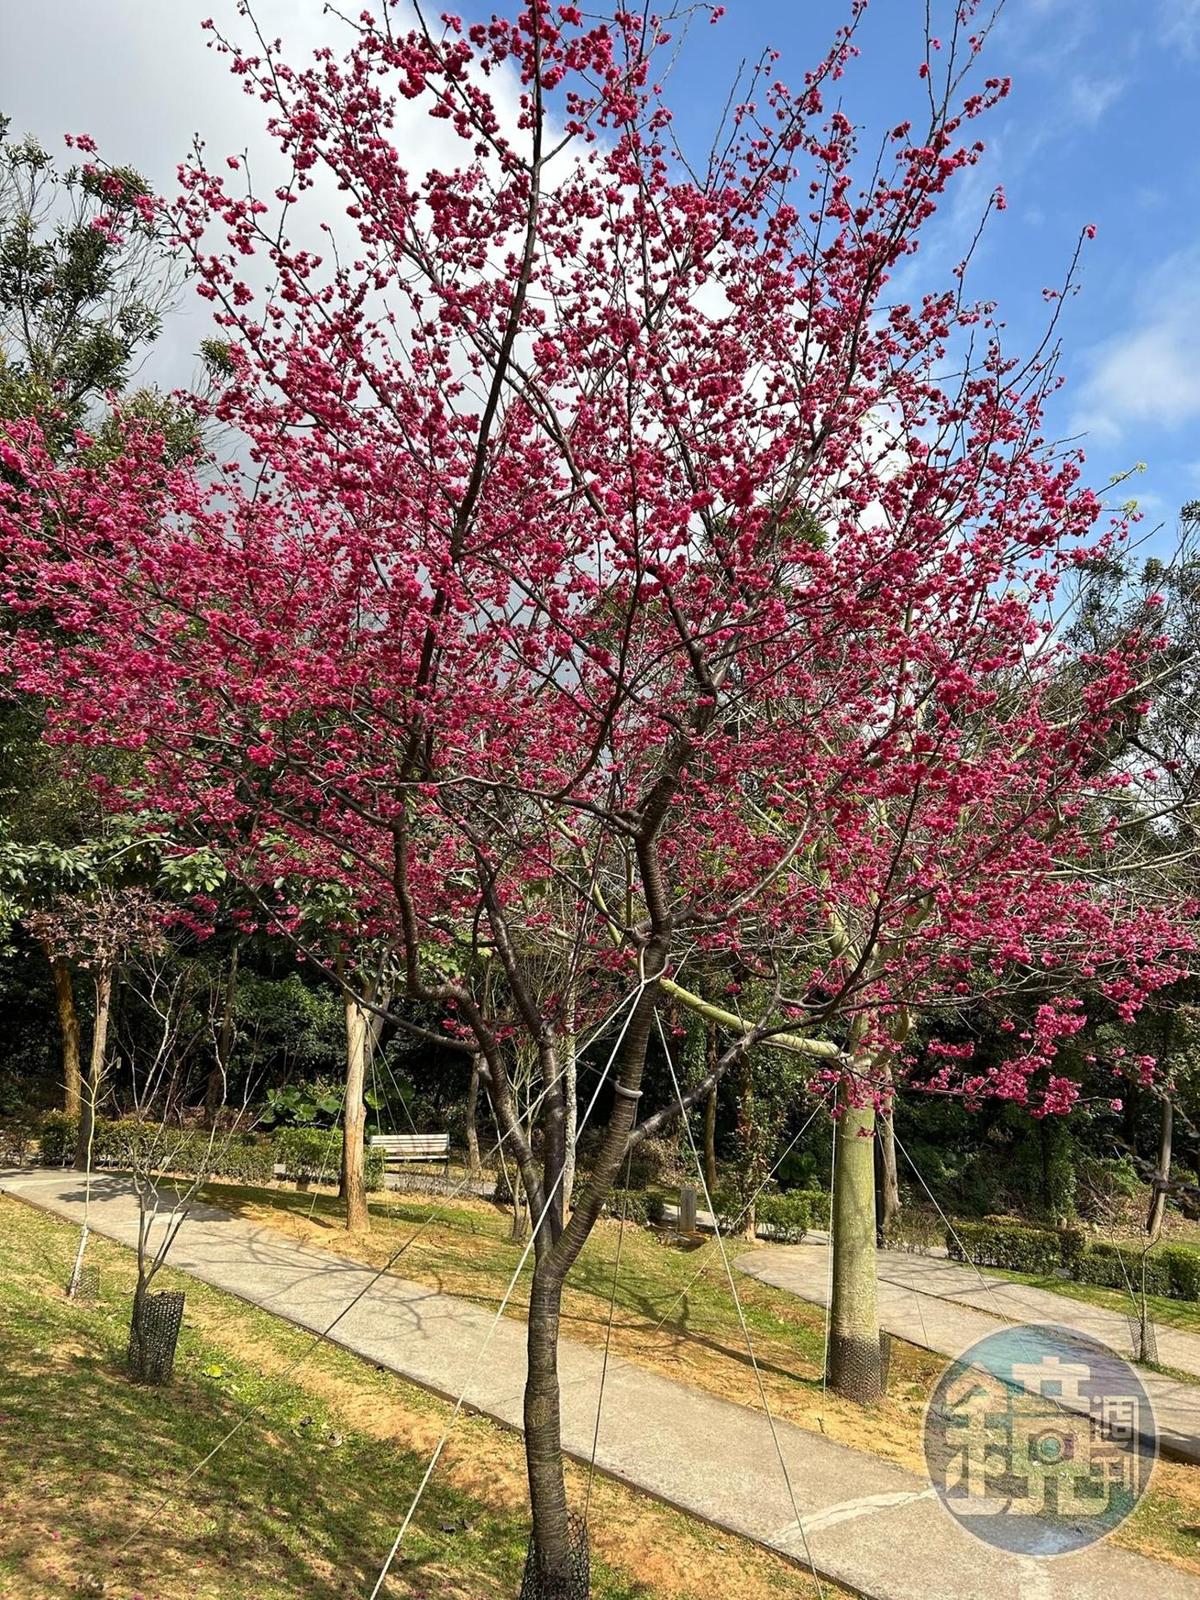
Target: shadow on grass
x=99, y=1456
x=487, y=1276
x=106, y=1481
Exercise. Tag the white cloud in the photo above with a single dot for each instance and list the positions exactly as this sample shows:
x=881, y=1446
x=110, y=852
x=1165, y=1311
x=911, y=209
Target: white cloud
x=1089, y=97
x=1180, y=24
x=140, y=79
x=1049, y=31
x=1151, y=371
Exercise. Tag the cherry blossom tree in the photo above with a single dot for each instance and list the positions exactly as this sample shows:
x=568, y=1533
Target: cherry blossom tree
x=612, y=565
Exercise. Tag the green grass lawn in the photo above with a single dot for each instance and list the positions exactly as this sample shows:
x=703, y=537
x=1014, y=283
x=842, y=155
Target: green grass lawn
x=102, y=1490
x=466, y=1250
x=674, y=1311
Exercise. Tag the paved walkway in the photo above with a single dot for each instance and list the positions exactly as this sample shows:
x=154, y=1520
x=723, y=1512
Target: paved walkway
x=945, y=1306
x=873, y=1527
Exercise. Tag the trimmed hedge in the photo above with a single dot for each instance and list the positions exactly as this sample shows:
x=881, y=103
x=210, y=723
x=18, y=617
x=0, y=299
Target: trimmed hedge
x=1183, y=1271
x=789, y=1214
x=633, y=1204
x=1172, y=1271
x=1014, y=1247
x=914, y=1231
x=1118, y=1266
x=309, y=1154
x=819, y=1203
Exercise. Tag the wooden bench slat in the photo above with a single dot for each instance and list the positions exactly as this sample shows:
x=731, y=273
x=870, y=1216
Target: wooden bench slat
x=388, y=1142
x=411, y=1146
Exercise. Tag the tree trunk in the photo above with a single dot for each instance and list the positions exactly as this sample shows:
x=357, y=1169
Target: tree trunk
x=855, y=1370
x=570, y=1104
x=95, y=1074
x=558, y=1249
x=710, y=1109
x=354, y=1117
x=519, y=1216
x=216, y=1090
x=68, y=1027
x=889, y=1184
x=749, y=1141
x=1158, y=1200
x=710, y=1140
x=543, y=1436
x=474, y=1165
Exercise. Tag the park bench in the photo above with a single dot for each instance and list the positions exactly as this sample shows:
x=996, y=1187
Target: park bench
x=401, y=1147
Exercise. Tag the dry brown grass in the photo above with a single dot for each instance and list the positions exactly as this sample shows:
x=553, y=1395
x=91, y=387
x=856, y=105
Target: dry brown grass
x=278, y=1512
x=466, y=1253
x=673, y=1555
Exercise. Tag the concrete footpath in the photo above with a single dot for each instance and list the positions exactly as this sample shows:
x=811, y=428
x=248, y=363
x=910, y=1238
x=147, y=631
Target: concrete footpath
x=946, y=1306
x=870, y=1526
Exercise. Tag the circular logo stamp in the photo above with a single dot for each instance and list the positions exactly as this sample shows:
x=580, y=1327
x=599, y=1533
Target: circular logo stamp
x=1039, y=1440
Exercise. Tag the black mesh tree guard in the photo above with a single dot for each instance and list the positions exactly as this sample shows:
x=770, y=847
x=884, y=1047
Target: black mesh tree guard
x=574, y=1585
x=1143, y=1336
x=85, y=1285
x=885, y=1360
x=153, y=1334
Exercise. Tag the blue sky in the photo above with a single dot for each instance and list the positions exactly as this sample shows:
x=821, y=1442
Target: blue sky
x=1101, y=127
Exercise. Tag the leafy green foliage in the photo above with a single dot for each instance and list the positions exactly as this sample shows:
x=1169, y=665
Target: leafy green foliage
x=1116, y=1266
x=83, y=285
x=308, y=1154
x=632, y=1204
x=1183, y=1270
x=788, y=1216
x=915, y=1231
x=1172, y=1271
x=1011, y=1246
x=316, y=1104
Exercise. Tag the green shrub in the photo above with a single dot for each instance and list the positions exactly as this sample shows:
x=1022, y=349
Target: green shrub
x=656, y=1209
x=727, y=1207
x=818, y=1201
x=1183, y=1271
x=1116, y=1266
x=914, y=1231
x=1007, y=1245
x=998, y=1242
x=633, y=1204
x=251, y=1160
x=653, y=1161
x=312, y=1154
x=15, y=1142
x=1072, y=1246
x=1103, y=1180
x=317, y=1104
x=788, y=1216
x=57, y=1140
